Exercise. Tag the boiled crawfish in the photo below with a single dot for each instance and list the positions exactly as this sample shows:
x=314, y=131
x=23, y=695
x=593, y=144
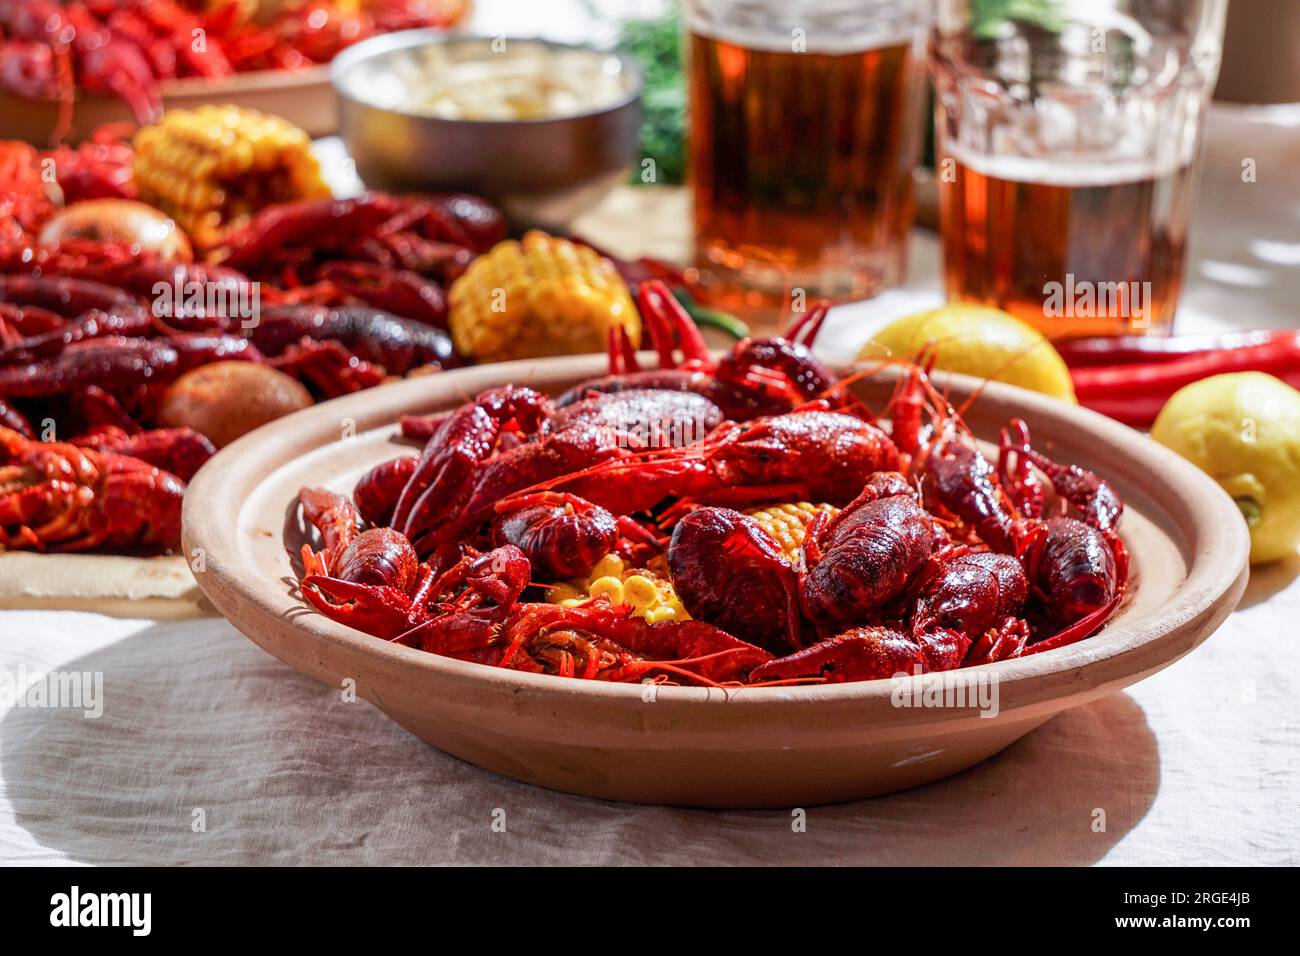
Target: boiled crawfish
x=934, y=559
x=56, y=496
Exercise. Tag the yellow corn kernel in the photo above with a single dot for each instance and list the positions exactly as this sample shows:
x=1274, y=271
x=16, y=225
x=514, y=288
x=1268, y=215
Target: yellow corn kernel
x=542, y=295
x=640, y=591
x=607, y=587
x=648, y=592
x=788, y=523
x=611, y=565
x=659, y=614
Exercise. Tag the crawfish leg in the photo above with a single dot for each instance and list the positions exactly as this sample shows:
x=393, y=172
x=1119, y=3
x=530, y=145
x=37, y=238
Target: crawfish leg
x=13, y=419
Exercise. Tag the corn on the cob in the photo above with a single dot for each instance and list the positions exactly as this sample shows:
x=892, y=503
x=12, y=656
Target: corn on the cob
x=541, y=296
x=788, y=523
x=214, y=167
x=647, y=591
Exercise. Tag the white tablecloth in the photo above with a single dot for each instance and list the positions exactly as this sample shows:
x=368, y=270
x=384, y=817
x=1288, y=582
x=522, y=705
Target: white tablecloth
x=210, y=751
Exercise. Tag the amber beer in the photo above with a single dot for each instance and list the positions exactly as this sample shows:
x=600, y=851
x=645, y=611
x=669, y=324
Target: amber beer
x=1065, y=152
x=1094, y=252
x=801, y=166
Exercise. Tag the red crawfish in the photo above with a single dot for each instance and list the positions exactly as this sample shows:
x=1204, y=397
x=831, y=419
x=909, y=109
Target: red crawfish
x=813, y=455
x=957, y=482
x=980, y=597
x=510, y=441
x=968, y=614
x=730, y=572
x=181, y=451
x=377, y=492
x=563, y=536
x=599, y=642
x=757, y=377
x=397, y=291
x=127, y=368
x=445, y=476
x=1080, y=576
x=15, y=420
x=374, y=584
x=869, y=652
x=643, y=418
x=647, y=418
x=470, y=604
x=370, y=580
x=69, y=297
x=1081, y=579
x=346, y=348
x=865, y=556
x=1078, y=567
x=138, y=273
x=56, y=496
x=862, y=572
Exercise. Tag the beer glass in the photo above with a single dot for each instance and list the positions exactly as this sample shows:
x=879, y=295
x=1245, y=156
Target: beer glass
x=1066, y=147
x=805, y=126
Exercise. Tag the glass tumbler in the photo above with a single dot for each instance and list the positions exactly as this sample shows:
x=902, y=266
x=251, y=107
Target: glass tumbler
x=1066, y=148
x=805, y=126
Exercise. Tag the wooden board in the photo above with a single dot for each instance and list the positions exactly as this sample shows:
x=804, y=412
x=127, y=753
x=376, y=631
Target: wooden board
x=156, y=588
x=303, y=97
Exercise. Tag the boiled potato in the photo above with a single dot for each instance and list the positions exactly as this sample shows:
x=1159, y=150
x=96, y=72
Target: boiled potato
x=227, y=399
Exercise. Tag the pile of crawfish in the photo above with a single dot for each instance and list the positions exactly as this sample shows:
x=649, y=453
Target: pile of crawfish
x=350, y=293
x=937, y=559
x=50, y=49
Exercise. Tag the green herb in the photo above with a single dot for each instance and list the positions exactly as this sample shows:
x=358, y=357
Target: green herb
x=989, y=18
x=656, y=45
x=712, y=318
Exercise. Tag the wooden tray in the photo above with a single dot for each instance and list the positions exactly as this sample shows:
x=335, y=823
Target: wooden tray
x=155, y=588
x=790, y=746
x=303, y=97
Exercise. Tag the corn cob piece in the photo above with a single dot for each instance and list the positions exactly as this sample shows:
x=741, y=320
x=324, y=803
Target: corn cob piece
x=788, y=523
x=212, y=168
x=540, y=296
x=647, y=591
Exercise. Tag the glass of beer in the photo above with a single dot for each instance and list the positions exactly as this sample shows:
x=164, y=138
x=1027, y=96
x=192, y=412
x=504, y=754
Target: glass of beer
x=805, y=126
x=1066, y=153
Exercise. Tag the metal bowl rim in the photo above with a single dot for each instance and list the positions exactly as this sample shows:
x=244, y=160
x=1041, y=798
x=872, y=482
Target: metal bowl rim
x=387, y=43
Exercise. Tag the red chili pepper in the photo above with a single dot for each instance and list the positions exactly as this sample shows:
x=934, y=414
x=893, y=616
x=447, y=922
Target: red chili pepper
x=1134, y=393
x=1130, y=349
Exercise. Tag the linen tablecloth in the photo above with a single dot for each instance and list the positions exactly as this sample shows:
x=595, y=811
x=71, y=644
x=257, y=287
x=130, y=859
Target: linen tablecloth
x=210, y=751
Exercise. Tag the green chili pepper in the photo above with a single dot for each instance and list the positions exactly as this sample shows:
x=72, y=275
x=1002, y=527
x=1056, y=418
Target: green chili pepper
x=711, y=318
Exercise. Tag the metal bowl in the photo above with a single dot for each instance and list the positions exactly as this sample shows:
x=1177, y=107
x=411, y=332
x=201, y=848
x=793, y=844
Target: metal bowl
x=542, y=172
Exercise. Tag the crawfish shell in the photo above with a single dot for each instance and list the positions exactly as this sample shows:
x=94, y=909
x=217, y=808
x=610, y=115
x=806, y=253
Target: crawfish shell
x=868, y=558
x=730, y=572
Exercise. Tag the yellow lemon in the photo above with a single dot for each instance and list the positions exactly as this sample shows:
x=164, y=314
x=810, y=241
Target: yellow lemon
x=1243, y=430
x=978, y=340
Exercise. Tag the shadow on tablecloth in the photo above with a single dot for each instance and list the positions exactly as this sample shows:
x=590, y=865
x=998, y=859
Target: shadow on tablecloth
x=200, y=724
x=1267, y=580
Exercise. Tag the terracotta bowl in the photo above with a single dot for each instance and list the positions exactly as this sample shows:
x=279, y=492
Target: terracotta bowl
x=752, y=747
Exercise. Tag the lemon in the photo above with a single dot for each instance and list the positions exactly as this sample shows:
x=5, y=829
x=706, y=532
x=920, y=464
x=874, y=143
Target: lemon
x=1243, y=429
x=978, y=340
